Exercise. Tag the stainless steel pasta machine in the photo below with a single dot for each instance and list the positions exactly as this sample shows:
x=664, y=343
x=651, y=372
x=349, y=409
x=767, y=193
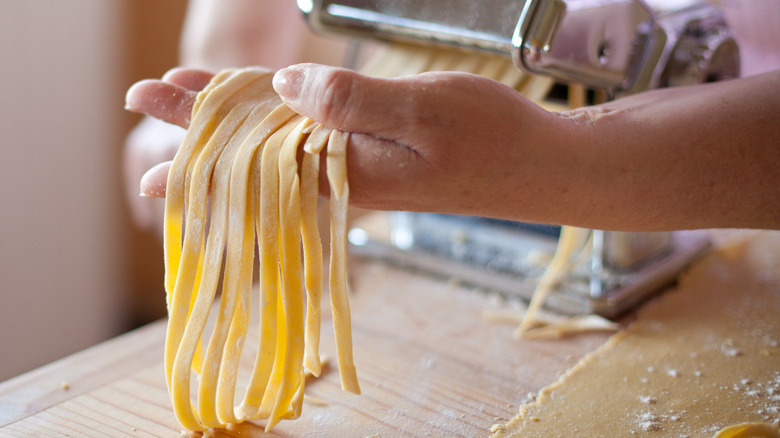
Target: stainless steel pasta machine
x=616, y=47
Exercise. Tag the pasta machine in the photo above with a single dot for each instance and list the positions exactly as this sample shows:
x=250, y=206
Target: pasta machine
x=613, y=47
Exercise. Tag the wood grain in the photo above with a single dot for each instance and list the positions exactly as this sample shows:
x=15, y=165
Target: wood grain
x=428, y=364
x=64, y=379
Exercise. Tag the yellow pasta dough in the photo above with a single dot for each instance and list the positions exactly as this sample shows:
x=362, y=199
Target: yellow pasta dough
x=750, y=430
x=237, y=179
x=697, y=361
x=237, y=171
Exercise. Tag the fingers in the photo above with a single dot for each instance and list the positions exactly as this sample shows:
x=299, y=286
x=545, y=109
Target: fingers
x=169, y=99
x=161, y=100
x=188, y=78
x=410, y=110
x=150, y=142
x=154, y=181
x=396, y=124
x=346, y=100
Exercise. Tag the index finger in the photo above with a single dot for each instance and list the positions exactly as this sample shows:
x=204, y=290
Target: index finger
x=171, y=98
x=168, y=102
x=189, y=78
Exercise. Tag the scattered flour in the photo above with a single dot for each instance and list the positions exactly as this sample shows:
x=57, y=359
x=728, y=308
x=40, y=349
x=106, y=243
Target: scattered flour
x=648, y=400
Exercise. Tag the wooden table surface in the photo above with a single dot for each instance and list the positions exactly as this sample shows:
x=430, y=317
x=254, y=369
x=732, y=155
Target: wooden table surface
x=428, y=363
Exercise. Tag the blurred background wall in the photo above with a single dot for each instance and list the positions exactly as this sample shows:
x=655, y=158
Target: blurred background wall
x=73, y=269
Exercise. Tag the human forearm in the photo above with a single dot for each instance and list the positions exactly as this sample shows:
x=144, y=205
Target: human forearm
x=703, y=156
x=698, y=157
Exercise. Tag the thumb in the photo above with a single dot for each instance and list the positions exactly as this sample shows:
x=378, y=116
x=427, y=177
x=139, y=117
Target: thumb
x=343, y=99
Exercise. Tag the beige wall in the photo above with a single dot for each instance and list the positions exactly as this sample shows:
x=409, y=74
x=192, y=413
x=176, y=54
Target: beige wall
x=152, y=44
x=73, y=271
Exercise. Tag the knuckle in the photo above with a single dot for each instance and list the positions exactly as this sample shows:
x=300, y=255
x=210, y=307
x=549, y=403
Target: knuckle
x=336, y=97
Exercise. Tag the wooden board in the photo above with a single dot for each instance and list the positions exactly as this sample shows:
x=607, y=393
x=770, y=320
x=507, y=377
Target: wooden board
x=428, y=364
x=704, y=356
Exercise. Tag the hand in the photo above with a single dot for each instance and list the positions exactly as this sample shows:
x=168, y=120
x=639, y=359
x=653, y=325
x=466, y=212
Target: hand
x=149, y=143
x=169, y=100
x=445, y=142
x=703, y=156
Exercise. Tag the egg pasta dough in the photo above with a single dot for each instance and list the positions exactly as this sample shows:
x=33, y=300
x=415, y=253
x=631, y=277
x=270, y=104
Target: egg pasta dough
x=236, y=180
x=237, y=171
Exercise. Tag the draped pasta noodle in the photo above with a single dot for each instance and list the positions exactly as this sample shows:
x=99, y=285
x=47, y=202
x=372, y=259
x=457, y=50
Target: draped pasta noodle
x=267, y=232
x=570, y=242
x=290, y=395
x=312, y=250
x=178, y=184
x=239, y=179
x=339, y=189
x=241, y=154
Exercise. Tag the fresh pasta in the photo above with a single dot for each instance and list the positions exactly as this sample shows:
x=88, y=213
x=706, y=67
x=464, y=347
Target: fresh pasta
x=236, y=180
x=237, y=170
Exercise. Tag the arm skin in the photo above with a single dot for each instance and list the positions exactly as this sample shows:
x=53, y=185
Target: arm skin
x=695, y=157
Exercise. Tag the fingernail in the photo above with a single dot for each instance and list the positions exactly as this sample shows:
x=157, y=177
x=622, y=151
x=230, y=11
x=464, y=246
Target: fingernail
x=287, y=82
x=131, y=96
x=153, y=183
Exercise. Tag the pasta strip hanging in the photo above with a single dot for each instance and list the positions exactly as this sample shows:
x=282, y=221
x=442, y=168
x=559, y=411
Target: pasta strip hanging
x=250, y=157
x=273, y=319
x=292, y=277
x=216, y=94
x=339, y=199
x=181, y=289
x=312, y=246
x=232, y=316
x=212, y=260
x=241, y=153
x=571, y=240
x=201, y=295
